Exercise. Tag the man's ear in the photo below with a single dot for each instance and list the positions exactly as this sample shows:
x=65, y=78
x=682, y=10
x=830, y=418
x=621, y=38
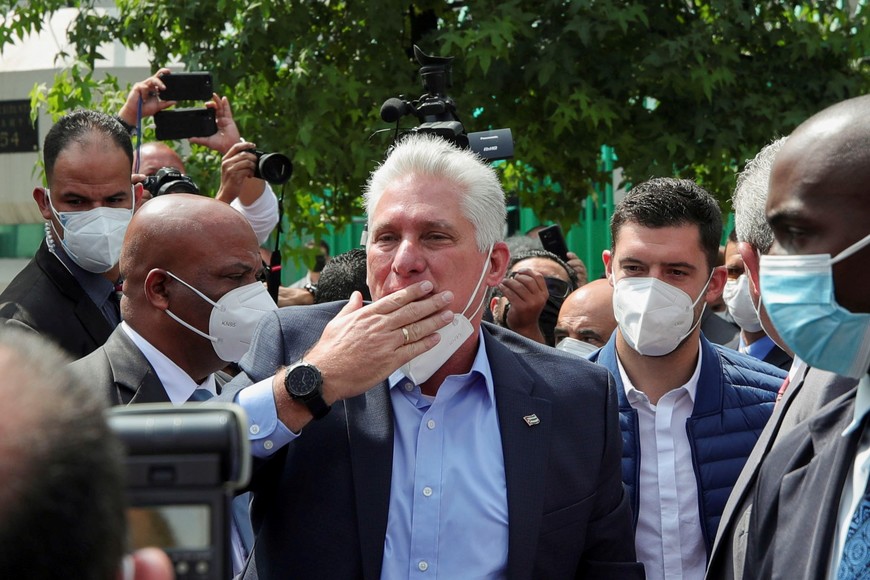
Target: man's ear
x=717, y=284
x=138, y=190
x=607, y=258
x=498, y=262
x=156, y=291
x=752, y=264
x=41, y=200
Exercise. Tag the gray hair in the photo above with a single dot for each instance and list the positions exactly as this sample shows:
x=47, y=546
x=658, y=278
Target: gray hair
x=483, y=203
x=750, y=197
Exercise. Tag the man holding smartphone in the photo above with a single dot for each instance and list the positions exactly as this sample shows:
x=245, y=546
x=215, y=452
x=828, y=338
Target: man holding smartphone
x=252, y=197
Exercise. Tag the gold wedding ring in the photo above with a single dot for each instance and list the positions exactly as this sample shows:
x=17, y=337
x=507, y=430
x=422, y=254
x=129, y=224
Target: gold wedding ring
x=406, y=334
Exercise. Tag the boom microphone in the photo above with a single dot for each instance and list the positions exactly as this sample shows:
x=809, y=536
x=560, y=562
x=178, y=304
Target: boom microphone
x=394, y=109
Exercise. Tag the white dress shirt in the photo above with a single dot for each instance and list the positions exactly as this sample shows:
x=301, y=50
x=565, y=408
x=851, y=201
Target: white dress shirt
x=669, y=540
x=856, y=480
x=177, y=383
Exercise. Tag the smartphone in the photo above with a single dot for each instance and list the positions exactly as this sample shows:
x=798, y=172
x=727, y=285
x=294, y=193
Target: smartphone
x=192, y=86
x=184, y=123
x=553, y=241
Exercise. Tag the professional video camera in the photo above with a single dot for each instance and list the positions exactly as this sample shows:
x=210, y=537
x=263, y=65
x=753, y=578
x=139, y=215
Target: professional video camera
x=437, y=112
x=183, y=463
x=169, y=180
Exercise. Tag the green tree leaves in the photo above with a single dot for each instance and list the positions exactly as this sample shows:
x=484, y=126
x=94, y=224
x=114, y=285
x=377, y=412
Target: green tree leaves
x=690, y=88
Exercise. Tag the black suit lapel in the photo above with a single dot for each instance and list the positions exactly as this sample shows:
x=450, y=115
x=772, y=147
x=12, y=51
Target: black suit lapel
x=525, y=454
x=370, y=438
x=86, y=311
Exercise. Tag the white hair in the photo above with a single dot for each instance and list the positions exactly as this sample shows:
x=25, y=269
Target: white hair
x=483, y=200
x=750, y=197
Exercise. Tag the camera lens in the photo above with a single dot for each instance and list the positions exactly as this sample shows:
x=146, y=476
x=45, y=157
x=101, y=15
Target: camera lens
x=274, y=168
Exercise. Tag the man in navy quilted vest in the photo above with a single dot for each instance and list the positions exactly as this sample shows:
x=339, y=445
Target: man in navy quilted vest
x=690, y=410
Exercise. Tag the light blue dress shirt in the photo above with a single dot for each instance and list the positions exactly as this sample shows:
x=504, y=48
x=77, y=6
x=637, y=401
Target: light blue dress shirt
x=758, y=349
x=448, y=503
x=448, y=513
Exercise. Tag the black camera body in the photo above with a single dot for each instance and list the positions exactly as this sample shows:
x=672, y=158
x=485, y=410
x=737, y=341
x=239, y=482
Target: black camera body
x=169, y=180
x=272, y=167
x=436, y=112
x=183, y=463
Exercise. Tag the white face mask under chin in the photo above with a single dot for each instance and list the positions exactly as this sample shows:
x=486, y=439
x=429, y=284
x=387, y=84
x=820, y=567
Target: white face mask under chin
x=419, y=369
x=653, y=316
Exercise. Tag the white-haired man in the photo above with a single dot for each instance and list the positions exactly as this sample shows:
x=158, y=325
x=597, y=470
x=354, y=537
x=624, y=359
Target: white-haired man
x=453, y=448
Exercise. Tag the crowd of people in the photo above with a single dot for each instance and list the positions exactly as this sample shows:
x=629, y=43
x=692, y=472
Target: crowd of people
x=445, y=402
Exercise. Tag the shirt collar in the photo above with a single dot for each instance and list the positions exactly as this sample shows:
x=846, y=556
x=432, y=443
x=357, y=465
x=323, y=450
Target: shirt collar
x=634, y=395
x=758, y=349
x=479, y=366
x=862, y=404
x=177, y=383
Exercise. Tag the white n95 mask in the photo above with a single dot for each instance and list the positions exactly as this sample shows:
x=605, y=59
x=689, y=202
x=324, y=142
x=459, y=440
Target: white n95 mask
x=234, y=317
x=653, y=316
x=576, y=347
x=93, y=238
x=419, y=369
x=739, y=302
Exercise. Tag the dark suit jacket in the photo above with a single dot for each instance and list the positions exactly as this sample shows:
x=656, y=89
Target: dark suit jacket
x=791, y=530
x=320, y=504
x=718, y=330
x=46, y=298
x=778, y=358
x=120, y=368
x=811, y=390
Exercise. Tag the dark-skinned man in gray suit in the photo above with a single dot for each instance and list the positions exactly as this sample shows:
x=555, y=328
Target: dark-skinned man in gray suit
x=811, y=511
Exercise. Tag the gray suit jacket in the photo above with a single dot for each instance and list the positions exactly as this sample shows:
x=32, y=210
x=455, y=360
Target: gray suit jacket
x=795, y=507
x=120, y=368
x=810, y=391
x=320, y=504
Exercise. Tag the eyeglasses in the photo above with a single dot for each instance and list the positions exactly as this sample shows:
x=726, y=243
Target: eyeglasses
x=557, y=287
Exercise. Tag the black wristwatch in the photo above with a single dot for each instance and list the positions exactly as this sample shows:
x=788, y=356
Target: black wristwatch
x=304, y=383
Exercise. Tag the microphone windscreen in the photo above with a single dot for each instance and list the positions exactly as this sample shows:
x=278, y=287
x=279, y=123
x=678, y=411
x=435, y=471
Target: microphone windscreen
x=393, y=109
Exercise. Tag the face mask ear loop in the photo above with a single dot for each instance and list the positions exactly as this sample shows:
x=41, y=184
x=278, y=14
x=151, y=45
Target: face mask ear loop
x=704, y=291
x=477, y=287
x=198, y=293
x=853, y=249
x=189, y=326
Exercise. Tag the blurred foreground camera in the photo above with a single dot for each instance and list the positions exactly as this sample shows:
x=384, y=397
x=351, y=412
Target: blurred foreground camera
x=272, y=167
x=436, y=112
x=183, y=463
x=169, y=180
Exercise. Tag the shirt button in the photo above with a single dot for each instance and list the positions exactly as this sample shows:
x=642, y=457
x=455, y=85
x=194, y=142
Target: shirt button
x=430, y=423
x=427, y=491
x=268, y=445
x=409, y=387
x=255, y=429
x=423, y=565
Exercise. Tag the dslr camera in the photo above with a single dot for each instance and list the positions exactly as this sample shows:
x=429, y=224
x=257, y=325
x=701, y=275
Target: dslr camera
x=272, y=167
x=169, y=180
x=183, y=464
x=436, y=112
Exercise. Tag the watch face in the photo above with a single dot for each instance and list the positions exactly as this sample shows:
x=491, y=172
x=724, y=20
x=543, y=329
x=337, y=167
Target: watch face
x=303, y=380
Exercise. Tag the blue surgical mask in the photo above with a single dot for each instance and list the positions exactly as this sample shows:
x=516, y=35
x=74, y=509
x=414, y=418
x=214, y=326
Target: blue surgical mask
x=798, y=294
